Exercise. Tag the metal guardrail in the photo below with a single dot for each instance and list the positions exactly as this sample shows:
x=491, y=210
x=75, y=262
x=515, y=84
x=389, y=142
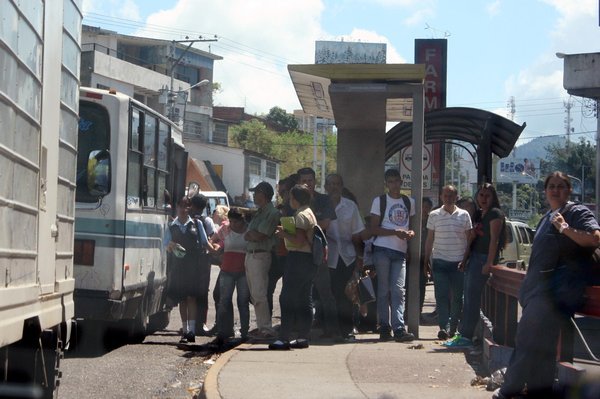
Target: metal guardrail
x=500, y=305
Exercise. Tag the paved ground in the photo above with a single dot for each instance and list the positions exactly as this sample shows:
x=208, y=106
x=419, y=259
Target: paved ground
x=363, y=369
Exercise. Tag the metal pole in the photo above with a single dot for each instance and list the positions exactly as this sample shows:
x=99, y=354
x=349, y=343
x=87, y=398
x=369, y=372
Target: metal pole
x=597, y=156
x=323, y=157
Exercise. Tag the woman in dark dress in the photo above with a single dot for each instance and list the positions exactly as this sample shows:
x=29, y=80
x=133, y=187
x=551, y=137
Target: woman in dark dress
x=187, y=245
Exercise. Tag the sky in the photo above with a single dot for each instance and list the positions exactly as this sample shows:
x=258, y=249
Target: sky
x=497, y=49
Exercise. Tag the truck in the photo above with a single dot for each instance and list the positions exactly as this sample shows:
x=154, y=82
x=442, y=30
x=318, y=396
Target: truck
x=39, y=59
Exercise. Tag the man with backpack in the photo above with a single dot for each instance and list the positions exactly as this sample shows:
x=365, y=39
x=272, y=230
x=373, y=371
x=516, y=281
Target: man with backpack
x=391, y=225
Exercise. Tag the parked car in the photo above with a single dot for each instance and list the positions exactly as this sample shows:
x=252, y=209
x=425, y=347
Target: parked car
x=516, y=252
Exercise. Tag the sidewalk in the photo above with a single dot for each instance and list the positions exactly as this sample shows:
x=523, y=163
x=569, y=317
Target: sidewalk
x=363, y=369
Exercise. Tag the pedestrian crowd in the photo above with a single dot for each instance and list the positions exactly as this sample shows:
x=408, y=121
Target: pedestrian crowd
x=461, y=240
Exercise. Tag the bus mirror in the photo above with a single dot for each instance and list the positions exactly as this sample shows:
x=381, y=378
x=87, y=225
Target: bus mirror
x=98, y=173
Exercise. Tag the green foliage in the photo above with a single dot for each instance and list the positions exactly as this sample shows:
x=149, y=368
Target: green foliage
x=279, y=117
x=254, y=135
x=294, y=148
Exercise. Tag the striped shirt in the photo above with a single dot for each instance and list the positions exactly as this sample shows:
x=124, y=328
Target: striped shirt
x=450, y=238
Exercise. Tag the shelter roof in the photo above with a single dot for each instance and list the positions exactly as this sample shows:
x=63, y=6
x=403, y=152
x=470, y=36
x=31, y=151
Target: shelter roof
x=312, y=81
x=462, y=124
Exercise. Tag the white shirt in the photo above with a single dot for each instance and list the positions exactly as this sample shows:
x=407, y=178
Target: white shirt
x=396, y=216
x=450, y=239
x=340, y=232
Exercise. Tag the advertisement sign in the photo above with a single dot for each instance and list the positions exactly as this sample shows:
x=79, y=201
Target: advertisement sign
x=434, y=54
x=518, y=170
x=406, y=166
x=327, y=52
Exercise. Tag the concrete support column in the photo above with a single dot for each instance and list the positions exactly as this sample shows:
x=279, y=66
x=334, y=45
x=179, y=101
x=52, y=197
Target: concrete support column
x=362, y=165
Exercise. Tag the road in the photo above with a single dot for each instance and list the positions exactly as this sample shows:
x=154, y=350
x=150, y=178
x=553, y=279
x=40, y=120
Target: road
x=155, y=368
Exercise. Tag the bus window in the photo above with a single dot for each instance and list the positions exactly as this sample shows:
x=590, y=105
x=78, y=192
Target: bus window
x=149, y=175
x=134, y=168
x=163, y=163
x=94, y=135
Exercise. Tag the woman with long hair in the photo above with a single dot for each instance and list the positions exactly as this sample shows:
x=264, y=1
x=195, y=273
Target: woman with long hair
x=561, y=251
x=487, y=240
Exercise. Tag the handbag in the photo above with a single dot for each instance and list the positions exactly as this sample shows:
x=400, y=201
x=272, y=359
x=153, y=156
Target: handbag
x=366, y=290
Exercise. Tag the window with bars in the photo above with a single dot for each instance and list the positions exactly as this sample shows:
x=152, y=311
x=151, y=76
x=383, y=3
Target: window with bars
x=219, y=135
x=271, y=171
x=254, y=165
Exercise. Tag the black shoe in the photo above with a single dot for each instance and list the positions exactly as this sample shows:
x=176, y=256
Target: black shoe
x=187, y=338
x=384, y=335
x=204, y=331
x=279, y=345
x=400, y=335
x=443, y=335
x=299, y=343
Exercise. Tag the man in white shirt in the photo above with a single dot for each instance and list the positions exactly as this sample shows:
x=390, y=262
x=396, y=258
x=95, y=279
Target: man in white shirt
x=343, y=237
x=390, y=223
x=448, y=231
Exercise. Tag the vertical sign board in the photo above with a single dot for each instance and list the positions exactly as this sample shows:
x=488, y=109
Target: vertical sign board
x=433, y=53
x=406, y=169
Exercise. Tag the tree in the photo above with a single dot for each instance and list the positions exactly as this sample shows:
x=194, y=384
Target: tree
x=575, y=159
x=254, y=135
x=279, y=117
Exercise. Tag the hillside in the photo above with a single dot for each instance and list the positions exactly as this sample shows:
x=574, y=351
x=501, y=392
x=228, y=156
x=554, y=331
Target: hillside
x=536, y=148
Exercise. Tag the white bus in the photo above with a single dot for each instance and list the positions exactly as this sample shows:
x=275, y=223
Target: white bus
x=131, y=160
x=39, y=62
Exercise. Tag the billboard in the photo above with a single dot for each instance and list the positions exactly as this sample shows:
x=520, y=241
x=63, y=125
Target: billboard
x=327, y=52
x=517, y=170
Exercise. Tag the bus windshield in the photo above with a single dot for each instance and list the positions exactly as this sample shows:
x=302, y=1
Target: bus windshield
x=94, y=135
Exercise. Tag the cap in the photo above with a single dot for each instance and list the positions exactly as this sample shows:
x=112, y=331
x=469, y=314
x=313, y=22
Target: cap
x=264, y=188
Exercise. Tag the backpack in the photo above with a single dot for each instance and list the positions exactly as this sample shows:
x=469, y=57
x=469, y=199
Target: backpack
x=570, y=278
x=319, y=246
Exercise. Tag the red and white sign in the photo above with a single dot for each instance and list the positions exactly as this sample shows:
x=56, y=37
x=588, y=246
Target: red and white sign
x=406, y=166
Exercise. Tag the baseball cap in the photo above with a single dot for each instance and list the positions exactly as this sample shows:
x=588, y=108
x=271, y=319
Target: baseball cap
x=264, y=188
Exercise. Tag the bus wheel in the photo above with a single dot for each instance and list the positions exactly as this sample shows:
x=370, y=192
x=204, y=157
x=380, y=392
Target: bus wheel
x=159, y=321
x=139, y=327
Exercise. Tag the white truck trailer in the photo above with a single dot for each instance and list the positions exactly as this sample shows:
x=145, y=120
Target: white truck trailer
x=39, y=62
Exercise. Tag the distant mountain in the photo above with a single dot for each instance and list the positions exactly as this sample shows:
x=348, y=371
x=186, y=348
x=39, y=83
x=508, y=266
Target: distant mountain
x=536, y=148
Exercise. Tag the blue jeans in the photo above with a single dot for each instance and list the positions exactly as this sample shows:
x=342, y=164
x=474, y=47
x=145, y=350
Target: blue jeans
x=228, y=282
x=390, y=266
x=474, y=283
x=448, y=283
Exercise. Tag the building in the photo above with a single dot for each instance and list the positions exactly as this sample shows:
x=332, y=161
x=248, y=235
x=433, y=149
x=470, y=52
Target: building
x=162, y=74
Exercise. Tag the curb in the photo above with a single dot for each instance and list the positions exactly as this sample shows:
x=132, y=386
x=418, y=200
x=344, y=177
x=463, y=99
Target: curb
x=210, y=388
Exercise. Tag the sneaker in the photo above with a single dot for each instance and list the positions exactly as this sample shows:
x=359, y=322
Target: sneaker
x=442, y=334
x=299, y=343
x=279, y=345
x=400, y=335
x=458, y=342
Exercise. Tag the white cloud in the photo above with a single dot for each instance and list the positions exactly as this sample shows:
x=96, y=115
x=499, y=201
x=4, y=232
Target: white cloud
x=257, y=40
x=493, y=8
x=575, y=31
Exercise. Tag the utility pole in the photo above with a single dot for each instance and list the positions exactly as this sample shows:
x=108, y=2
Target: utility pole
x=175, y=62
x=568, y=105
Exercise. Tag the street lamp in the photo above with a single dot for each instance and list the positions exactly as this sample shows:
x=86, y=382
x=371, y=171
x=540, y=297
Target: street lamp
x=173, y=98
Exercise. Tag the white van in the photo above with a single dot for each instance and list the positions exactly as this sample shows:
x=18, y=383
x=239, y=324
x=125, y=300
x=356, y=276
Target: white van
x=214, y=198
x=519, y=238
